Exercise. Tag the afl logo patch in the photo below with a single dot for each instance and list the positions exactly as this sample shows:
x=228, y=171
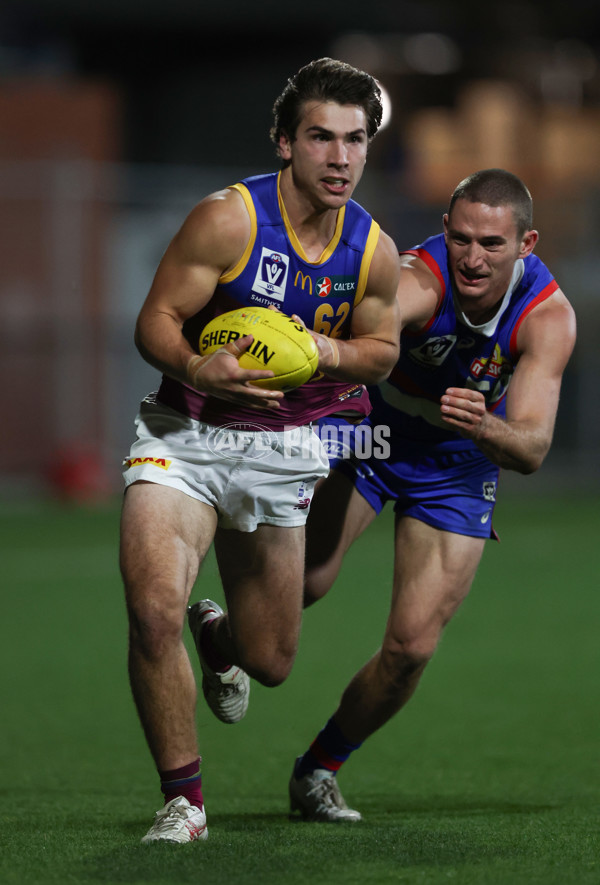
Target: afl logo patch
x=271, y=274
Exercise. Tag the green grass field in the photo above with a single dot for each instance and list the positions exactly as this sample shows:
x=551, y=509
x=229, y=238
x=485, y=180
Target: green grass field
x=490, y=775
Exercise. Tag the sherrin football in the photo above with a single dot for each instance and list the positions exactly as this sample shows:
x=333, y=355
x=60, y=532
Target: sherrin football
x=280, y=344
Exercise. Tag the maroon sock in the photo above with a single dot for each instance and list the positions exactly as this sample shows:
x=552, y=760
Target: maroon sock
x=185, y=781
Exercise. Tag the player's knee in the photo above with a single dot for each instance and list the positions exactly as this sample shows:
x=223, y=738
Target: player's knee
x=316, y=586
x=154, y=628
x=318, y=580
x=404, y=656
x=271, y=667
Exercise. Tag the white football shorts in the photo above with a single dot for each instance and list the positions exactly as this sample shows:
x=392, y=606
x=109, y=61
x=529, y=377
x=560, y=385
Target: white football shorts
x=250, y=476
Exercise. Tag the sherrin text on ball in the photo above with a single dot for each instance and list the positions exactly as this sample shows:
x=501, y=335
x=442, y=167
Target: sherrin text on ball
x=280, y=344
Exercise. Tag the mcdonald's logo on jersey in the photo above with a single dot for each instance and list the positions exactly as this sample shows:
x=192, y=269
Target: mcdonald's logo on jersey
x=301, y=280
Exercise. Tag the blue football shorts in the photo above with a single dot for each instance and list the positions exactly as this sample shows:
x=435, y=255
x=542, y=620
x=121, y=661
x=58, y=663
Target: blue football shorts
x=452, y=490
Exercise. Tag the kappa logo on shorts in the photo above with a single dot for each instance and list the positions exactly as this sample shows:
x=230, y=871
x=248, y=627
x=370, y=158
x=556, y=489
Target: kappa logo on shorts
x=163, y=463
x=271, y=274
x=489, y=491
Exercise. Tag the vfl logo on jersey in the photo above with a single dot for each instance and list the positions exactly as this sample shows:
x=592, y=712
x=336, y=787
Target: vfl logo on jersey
x=433, y=352
x=271, y=274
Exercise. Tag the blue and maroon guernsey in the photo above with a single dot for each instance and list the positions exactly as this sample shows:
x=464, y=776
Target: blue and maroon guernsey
x=274, y=270
x=451, y=352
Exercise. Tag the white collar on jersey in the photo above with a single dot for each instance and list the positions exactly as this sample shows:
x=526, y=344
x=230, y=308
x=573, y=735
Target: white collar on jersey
x=490, y=326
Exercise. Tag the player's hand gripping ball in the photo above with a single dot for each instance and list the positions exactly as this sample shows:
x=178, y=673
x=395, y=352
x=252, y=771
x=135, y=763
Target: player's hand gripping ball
x=280, y=344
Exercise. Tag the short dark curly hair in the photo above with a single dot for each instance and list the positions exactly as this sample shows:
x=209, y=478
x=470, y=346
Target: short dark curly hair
x=326, y=79
x=497, y=187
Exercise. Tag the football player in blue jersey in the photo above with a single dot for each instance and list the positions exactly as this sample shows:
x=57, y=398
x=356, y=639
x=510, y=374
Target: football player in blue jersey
x=265, y=241
x=486, y=336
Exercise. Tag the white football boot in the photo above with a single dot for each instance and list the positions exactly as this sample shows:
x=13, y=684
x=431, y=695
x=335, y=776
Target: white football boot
x=179, y=822
x=317, y=797
x=227, y=692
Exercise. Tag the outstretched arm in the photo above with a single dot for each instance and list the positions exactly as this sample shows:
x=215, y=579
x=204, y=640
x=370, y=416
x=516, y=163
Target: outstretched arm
x=521, y=442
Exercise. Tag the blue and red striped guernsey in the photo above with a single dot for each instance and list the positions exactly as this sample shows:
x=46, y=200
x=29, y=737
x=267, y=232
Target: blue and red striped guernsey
x=274, y=270
x=450, y=352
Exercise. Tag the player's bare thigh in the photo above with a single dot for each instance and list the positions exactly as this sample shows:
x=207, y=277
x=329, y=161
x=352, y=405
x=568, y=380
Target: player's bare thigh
x=433, y=573
x=165, y=535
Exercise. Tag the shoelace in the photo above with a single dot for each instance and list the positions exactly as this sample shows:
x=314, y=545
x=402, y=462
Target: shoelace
x=173, y=815
x=224, y=691
x=224, y=688
x=326, y=792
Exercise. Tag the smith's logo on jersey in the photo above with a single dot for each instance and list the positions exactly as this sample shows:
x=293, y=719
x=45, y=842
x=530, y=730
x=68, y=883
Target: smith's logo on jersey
x=271, y=274
x=434, y=351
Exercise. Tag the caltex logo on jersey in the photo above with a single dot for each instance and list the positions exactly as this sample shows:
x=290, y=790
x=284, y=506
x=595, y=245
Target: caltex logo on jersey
x=323, y=287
